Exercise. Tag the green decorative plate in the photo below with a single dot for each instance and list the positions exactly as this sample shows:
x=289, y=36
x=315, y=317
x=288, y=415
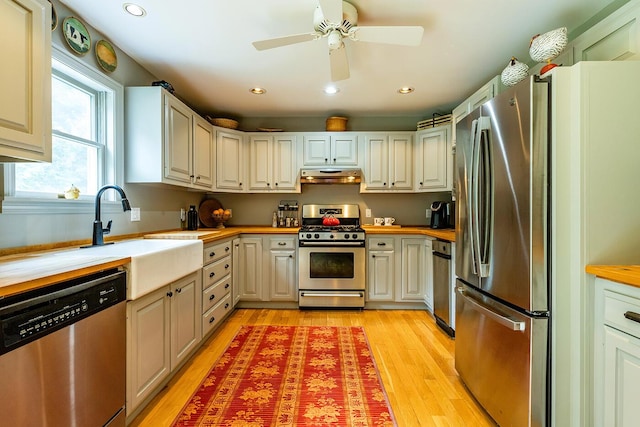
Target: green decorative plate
x=76, y=35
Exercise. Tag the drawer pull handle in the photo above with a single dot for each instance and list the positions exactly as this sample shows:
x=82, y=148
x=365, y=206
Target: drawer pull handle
x=212, y=274
x=213, y=319
x=632, y=316
x=382, y=244
x=226, y=286
x=212, y=297
x=282, y=243
x=226, y=305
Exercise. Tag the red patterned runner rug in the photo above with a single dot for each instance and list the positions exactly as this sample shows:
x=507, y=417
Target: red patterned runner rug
x=292, y=376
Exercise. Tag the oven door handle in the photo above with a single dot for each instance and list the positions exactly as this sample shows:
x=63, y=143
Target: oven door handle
x=333, y=294
x=332, y=244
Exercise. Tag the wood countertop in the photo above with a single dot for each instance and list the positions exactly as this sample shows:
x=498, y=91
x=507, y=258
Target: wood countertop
x=28, y=270
x=626, y=274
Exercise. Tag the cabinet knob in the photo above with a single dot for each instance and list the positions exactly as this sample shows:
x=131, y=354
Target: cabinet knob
x=334, y=160
x=212, y=297
x=169, y=294
x=191, y=176
x=276, y=184
x=268, y=184
x=384, y=183
x=179, y=290
x=240, y=184
x=373, y=256
x=421, y=183
x=393, y=183
x=213, y=319
x=212, y=254
x=226, y=305
x=226, y=286
x=197, y=177
x=290, y=256
x=212, y=274
x=226, y=266
x=227, y=249
x=326, y=160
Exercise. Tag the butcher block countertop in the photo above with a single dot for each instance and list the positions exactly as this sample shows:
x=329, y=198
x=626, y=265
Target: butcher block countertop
x=627, y=274
x=28, y=269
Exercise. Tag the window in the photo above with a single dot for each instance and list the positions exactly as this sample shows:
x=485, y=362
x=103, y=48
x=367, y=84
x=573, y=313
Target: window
x=85, y=107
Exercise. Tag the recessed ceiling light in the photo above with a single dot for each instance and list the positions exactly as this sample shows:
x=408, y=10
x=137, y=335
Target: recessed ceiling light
x=258, y=90
x=405, y=90
x=331, y=90
x=134, y=9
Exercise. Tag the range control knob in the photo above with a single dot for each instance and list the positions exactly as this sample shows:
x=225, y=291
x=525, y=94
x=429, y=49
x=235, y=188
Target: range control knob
x=331, y=236
x=316, y=236
x=355, y=236
x=308, y=235
x=346, y=236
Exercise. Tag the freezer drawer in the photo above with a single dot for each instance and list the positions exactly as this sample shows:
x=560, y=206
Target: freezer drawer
x=501, y=356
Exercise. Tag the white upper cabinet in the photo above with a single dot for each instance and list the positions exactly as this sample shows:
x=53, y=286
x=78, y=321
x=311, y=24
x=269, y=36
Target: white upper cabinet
x=230, y=158
x=479, y=97
x=330, y=148
x=434, y=162
x=25, y=81
x=166, y=141
x=388, y=164
x=273, y=163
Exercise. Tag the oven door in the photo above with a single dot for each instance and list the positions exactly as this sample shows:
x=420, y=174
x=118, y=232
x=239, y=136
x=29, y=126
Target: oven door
x=331, y=268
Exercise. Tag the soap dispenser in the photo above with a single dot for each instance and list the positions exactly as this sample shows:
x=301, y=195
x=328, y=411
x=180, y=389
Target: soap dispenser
x=192, y=218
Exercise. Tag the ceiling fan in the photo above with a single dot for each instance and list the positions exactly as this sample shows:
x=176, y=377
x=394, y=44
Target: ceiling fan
x=337, y=19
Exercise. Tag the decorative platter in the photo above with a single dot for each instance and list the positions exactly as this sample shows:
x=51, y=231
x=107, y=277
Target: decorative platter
x=76, y=35
x=205, y=212
x=106, y=55
x=270, y=130
x=54, y=17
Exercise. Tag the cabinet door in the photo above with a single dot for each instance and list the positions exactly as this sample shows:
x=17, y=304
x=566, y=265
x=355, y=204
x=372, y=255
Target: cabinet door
x=178, y=141
x=235, y=265
x=186, y=316
x=381, y=273
x=414, y=274
x=621, y=378
x=283, y=277
x=484, y=94
x=285, y=166
x=250, y=269
x=344, y=150
x=25, y=80
x=376, y=170
x=316, y=149
x=261, y=163
x=432, y=160
x=148, y=345
x=202, y=153
x=401, y=162
x=229, y=161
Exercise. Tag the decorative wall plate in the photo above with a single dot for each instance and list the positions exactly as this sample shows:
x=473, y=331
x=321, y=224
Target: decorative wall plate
x=106, y=55
x=54, y=17
x=76, y=35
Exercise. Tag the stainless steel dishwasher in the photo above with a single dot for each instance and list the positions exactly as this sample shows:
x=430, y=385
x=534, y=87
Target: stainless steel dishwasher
x=63, y=354
x=442, y=287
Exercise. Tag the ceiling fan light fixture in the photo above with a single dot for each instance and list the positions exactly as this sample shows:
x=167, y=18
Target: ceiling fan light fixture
x=134, y=9
x=334, y=40
x=258, y=90
x=405, y=90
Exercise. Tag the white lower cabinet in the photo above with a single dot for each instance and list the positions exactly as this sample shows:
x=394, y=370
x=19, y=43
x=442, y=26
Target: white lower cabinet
x=217, y=284
x=250, y=269
x=163, y=328
x=617, y=354
x=283, y=277
x=415, y=254
x=381, y=268
x=235, y=276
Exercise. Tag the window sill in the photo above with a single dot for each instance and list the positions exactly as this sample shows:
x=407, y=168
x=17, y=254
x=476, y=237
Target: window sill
x=33, y=206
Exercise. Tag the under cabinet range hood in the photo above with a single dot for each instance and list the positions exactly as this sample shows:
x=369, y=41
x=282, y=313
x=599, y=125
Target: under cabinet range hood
x=330, y=176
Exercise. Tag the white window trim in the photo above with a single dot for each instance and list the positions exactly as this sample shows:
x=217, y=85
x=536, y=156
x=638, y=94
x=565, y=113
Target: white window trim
x=115, y=175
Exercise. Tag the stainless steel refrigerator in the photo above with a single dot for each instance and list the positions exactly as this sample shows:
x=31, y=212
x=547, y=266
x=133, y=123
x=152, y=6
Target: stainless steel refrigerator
x=502, y=254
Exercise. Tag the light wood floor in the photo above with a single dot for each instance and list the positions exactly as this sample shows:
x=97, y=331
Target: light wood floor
x=415, y=359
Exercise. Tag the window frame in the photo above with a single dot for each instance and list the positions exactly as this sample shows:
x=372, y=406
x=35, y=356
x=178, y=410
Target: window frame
x=112, y=131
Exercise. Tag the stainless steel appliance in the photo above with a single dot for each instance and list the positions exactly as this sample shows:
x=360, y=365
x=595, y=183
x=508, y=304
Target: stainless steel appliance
x=330, y=176
x=443, y=294
x=331, y=266
x=63, y=354
x=502, y=252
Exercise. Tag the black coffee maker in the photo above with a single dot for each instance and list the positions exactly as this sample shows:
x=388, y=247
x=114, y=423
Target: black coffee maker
x=441, y=215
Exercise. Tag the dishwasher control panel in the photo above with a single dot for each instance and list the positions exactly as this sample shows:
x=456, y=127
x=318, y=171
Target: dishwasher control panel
x=26, y=319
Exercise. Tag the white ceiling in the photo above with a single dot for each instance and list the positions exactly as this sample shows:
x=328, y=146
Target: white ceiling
x=203, y=48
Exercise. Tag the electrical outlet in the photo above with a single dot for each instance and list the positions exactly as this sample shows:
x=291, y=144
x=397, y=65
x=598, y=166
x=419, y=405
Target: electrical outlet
x=368, y=213
x=428, y=213
x=135, y=214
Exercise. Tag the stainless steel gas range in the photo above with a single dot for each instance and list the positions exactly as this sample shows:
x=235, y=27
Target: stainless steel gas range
x=331, y=254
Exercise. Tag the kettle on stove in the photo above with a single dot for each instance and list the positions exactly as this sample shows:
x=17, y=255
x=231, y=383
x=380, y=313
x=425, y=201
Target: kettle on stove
x=440, y=215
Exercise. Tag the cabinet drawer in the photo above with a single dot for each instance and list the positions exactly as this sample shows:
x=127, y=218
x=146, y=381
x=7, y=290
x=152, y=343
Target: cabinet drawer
x=615, y=307
x=213, y=317
x=213, y=253
x=215, y=271
x=380, y=243
x=214, y=293
x=282, y=243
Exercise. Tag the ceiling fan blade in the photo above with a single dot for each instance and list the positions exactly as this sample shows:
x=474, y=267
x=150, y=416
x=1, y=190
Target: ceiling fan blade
x=339, y=64
x=331, y=10
x=407, y=36
x=285, y=41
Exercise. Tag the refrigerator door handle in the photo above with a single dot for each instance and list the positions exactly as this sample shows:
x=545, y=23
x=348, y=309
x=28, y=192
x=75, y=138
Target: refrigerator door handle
x=482, y=197
x=472, y=195
x=503, y=320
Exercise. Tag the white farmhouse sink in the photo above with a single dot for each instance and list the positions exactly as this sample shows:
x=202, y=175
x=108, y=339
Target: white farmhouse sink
x=154, y=263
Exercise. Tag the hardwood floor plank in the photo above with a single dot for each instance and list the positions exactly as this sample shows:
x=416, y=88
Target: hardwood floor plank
x=414, y=357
